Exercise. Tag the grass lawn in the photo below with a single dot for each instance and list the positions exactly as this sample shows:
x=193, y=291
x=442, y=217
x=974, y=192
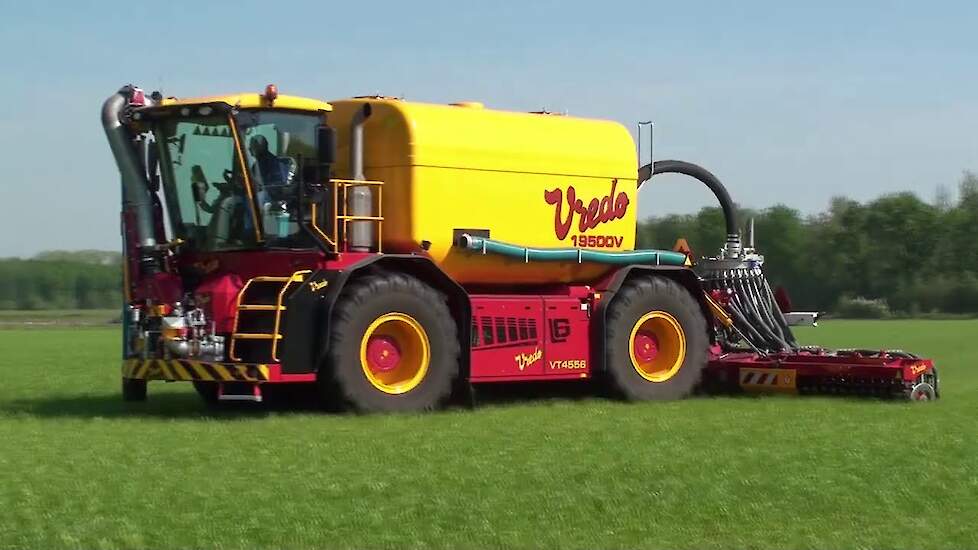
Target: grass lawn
x=81, y=469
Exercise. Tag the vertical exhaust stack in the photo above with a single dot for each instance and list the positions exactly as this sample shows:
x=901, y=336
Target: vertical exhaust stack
x=359, y=200
x=135, y=187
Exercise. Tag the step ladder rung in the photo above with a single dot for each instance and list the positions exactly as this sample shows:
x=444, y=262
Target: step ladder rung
x=260, y=307
x=255, y=336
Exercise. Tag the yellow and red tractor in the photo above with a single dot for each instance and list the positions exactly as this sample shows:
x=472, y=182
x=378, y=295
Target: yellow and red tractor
x=392, y=254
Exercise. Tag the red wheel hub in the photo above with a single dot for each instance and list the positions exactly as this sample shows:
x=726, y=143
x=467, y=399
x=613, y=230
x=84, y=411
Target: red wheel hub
x=646, y=346
x=383, y=355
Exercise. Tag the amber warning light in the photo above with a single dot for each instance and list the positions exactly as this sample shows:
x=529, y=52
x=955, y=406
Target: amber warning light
x=137, y=97
x=271, y=92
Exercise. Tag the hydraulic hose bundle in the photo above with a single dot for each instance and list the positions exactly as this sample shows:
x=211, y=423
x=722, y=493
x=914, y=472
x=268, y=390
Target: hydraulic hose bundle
x=747, y=296
x=735, y=278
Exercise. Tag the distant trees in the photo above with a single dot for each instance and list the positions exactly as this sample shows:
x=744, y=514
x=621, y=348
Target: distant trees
x=910, y=256
x=61, y=280
x=91, y=257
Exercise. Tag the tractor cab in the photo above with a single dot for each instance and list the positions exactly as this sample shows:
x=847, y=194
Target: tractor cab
x=237, y=172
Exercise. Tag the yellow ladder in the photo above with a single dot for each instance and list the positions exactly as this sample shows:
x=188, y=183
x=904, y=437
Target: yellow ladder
x=258, y=317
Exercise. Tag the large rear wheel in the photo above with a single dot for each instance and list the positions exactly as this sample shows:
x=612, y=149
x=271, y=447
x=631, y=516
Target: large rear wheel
x=656, y=340
x=393, y=346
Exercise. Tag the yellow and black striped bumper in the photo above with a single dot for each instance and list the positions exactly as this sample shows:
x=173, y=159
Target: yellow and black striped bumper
x=184, y=369
x=761, y=380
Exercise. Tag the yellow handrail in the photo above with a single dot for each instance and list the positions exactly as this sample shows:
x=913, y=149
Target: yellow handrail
x=341, y=212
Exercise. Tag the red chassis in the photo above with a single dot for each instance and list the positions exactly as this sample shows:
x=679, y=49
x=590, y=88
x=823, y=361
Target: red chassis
x=549, y=335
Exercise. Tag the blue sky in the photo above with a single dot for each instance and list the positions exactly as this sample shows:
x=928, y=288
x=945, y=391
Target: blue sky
x=787, y=102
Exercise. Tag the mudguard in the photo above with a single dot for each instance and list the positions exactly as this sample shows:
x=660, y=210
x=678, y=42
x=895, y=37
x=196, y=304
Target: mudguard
x=309, y=309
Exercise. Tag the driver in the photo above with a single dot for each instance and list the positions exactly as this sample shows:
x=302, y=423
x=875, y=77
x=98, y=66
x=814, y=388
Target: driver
x=270, y=168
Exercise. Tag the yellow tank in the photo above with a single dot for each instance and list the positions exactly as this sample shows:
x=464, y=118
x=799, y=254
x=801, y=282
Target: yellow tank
x=536, y=180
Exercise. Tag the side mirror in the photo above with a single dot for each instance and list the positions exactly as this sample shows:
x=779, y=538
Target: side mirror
x=313, y=188
x=326, y=144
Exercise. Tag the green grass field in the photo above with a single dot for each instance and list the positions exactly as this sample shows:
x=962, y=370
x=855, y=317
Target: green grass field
x=81, y=469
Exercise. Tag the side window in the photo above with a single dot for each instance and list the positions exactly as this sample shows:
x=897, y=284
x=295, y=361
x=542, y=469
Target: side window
x=276, y=145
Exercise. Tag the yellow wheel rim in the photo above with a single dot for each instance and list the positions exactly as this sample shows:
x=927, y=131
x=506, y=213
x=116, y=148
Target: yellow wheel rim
x=395, y=353
x=657, y=346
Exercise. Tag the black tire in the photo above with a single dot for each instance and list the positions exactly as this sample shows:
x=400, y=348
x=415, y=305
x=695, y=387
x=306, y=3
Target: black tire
x=207, y=391
x=133, y=389
x=343, y=379
x=637, y=298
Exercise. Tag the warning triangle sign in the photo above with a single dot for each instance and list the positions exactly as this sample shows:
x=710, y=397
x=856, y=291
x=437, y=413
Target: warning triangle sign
x=682, y=246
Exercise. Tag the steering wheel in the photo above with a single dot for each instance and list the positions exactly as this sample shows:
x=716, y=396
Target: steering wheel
x=228, y=183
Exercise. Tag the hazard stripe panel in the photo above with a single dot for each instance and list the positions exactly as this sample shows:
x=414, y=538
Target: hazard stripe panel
x=768, y=379
x=185, y=369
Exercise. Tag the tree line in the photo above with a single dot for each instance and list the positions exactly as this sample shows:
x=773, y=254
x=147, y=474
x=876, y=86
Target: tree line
x=895, y=254
x=83, y=279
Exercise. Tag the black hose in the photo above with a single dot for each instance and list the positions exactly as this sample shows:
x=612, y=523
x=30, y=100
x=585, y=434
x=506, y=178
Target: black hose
x=752, y=309
x=746, y=329
x=764, y=307
x=703, y=175
x=779, y=315
x=758, y=312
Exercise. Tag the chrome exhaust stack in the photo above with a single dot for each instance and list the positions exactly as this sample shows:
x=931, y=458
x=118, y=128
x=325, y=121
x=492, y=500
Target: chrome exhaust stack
x=135, y=185
x=359, y=201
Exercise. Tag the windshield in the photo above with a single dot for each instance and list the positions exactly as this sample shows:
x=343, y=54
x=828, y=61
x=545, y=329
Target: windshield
x=204, y=188
x=206, y=196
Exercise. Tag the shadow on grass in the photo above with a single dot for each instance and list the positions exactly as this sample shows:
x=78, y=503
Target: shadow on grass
x=160, y=406
x=511, y=393
x=190, y=406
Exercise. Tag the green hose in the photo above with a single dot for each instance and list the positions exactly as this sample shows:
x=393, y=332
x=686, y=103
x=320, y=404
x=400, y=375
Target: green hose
x=579, y=255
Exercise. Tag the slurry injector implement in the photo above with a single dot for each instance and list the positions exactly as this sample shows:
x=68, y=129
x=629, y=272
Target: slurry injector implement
x=392, y=254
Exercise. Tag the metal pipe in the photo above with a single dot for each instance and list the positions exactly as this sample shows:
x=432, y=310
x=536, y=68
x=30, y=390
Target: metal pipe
x=135, y=186
x=360, y=198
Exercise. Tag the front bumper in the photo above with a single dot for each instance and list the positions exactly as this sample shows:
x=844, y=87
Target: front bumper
x=185, y=369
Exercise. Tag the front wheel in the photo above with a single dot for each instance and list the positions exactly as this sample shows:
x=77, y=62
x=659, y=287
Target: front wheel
x=207, y=391
x=393, y=346
x=656, y=341
x=133, y=389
